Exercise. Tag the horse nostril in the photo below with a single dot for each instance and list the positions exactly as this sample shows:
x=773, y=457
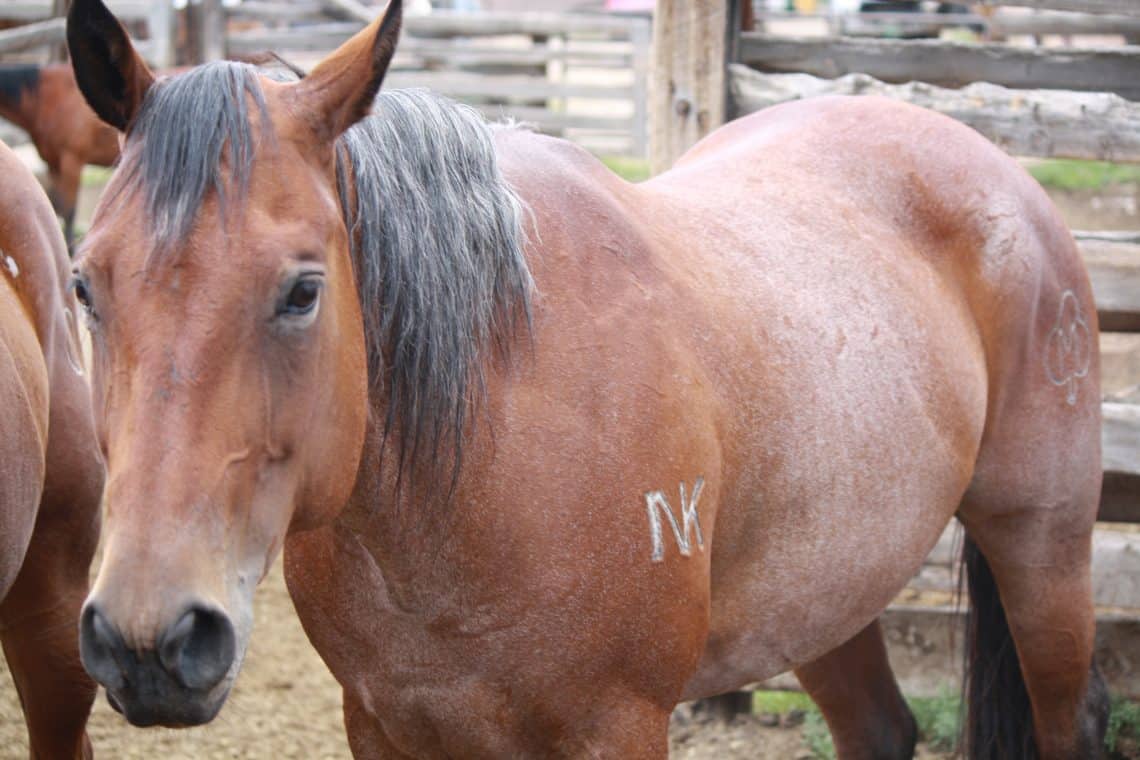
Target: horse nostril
x=101, y=648
x=198, y=649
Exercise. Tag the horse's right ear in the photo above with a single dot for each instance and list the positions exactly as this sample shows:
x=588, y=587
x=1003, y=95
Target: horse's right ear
x=109, y=71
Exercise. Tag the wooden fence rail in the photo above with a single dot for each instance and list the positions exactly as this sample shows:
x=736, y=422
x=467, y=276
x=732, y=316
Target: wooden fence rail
x=1123, y=7
x=1038, y=123
x=583, y=76
x=947, y=64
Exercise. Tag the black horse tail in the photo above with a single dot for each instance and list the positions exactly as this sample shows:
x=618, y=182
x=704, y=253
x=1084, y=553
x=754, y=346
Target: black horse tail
x=999, y=717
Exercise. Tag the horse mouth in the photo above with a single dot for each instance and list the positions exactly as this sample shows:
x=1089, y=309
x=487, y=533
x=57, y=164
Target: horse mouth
x=152, y=698
x=169, y=711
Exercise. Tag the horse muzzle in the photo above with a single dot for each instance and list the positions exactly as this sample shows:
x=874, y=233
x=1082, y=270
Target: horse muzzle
x=181, y=682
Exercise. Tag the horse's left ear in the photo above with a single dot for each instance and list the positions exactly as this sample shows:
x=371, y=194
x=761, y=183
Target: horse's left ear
x=109, y=71
x=340, y=90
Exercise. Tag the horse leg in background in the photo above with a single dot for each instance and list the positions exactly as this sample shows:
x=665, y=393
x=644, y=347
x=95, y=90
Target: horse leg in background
x=39, y=620
x=857, y=693
x=64, y=193
x=39, y=617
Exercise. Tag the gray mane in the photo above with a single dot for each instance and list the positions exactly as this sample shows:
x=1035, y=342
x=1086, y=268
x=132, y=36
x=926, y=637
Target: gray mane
x=438, y=250
x=185, y=124
x=436, y=234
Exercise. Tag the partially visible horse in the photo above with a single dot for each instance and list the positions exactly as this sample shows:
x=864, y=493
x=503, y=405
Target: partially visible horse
x=45, y=103
x=51, y=478
x=548, y=452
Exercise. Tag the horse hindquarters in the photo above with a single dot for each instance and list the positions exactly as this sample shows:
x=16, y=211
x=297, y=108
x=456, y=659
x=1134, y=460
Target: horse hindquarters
x=1029, y=515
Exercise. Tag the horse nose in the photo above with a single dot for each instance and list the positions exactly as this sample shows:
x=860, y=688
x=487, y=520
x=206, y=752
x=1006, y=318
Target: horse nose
x=198, y=649
x=101, y=648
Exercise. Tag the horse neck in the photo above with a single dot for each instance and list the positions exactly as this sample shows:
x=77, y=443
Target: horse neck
x=17, y=82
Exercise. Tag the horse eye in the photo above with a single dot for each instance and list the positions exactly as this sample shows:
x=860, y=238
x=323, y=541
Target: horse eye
x=303, y=296
x=81, y=294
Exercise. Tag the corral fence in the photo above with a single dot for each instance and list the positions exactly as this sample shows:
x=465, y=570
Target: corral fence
x=1041, y=102
x=577, y=75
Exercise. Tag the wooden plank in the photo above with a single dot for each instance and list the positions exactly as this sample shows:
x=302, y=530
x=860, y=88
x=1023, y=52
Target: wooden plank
x=1123, y=7
x=38, y=10
x=451, y=24
x=50, y=32
x=1043, y=123
x=212, y=18
x=1120, y=367
x=1115, y=567
x=1120, y=438
x=272, y=12
x=687, y=91
x=162, y=28
x=510, y=87
x=554, y=121
x=949, y=64
x=1114, y=269
x=1009, y=24
x=641, y=39
x=352, y=9
x=924, y=645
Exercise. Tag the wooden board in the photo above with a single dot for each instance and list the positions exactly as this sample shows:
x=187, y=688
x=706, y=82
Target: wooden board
x=1124, y=7
x=948, y=64
x=48, y=32
x=1042, y=123
x=1114, y=268
x=1115, y=567
x=1120, y=439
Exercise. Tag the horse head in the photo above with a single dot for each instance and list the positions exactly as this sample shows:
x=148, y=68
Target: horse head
x=229, y=364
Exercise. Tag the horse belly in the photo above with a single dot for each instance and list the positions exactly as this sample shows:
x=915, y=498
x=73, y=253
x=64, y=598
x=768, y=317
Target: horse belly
x=855, y=451
x=23, y=437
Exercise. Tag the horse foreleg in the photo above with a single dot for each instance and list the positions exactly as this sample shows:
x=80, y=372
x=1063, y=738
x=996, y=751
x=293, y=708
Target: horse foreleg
x=857, y=693
x=38, y=622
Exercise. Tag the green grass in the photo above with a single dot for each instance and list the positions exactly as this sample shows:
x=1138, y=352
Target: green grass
x=780, y=702
x=939, y=720
x=96, y=175
x=1124, y=720
x=817, y=737
x=629, y=169
x=1065, y=174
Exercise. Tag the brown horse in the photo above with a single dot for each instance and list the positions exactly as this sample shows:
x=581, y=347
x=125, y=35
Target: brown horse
x=50, y=474
x=45, y=102
x=548, y=452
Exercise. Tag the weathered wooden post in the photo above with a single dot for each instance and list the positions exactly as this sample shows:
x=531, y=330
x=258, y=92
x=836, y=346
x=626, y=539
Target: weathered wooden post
x=692, y=40
x=58, y=52
x=212, y=37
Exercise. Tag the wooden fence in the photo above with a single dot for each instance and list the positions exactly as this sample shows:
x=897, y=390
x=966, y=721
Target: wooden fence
x=582, y=76
x=1039, y=102
x=39, y=28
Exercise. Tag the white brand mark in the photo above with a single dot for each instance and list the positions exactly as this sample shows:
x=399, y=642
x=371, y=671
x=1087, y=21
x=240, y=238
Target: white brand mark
x=656, y=504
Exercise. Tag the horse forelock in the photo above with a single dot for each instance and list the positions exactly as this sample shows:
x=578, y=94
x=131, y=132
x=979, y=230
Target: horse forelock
x=438, y=248
x=194, y=134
